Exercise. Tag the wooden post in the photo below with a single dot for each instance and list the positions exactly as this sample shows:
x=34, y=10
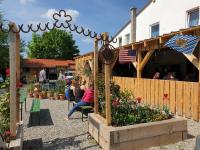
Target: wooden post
x=17, y=51
x=13, y=79
x=107, y=87
x=139, y=59
x=199, y=61
x=95, y=75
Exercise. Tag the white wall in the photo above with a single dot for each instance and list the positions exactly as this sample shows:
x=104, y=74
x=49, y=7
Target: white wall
x=171, y=15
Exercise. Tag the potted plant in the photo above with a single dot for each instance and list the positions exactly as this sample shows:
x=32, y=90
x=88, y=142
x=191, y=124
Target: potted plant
x=61, y=89
x=56, y=95
x=30, y=90
x=44, y=93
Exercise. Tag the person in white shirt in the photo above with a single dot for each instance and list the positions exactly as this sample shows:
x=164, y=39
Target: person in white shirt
x=61, y=76
x=42, y=76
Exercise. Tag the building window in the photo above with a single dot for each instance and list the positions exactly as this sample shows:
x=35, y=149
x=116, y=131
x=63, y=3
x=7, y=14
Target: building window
x=127, y=37
x=193, y=17
x=120, y=41
x=155, y=30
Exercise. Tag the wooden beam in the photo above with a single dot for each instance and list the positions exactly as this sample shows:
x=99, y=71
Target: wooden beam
x=199, y=61
x=107, y=87
x=193, y=60
x=139, y=60
x=96, y=76
x=146, y=59
x=13, y=79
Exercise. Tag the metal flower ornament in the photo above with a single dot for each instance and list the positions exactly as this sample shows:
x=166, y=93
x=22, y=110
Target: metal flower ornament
x=58, y=22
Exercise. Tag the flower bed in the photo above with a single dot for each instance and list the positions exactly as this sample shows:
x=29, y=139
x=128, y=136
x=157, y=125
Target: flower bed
x=137, y=136
x=134, y=125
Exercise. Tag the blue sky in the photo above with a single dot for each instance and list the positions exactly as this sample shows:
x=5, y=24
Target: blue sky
x=96, y=15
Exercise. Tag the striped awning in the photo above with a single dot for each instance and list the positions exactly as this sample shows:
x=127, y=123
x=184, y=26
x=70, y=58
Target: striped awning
x=183, y=43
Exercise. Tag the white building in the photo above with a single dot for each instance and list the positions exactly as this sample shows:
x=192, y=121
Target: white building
x=159, y=17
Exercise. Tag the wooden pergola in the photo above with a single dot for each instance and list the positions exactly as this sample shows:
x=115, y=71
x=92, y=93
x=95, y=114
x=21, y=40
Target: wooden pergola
x=149, y=46
x=153, y=44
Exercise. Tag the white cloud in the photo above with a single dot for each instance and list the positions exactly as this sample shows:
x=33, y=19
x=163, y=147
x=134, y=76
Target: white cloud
x=24, y=2
x=87, y=40
x=49, y=14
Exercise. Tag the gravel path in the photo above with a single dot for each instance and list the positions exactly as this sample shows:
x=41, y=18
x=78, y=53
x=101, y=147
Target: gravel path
x=56, y=133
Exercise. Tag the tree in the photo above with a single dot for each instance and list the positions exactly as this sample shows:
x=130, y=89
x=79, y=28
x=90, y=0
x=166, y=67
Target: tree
x=55, y=44
x=4, y=47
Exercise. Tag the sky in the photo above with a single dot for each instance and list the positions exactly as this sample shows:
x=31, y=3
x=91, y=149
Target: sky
x=96, y=15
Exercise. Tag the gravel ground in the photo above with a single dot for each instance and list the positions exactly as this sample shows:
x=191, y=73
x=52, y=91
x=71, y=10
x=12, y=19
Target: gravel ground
x=56, y=133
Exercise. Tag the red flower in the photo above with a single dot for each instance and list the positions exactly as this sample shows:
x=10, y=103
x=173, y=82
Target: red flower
x=139, y=99
x=115, y=103
x=19, y=84
x=165, y=96
x=7, y=72
x=7, y=132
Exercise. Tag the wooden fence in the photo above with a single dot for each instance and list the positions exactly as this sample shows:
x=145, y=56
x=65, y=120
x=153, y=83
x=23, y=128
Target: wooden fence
x=181, y=97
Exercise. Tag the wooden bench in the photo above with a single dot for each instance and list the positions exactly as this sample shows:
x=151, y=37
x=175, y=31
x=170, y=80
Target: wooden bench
x=22, y=99
x=35, y=108
x=84, y=110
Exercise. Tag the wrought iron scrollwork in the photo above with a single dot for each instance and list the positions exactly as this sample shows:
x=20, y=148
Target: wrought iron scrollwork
x=66, y=24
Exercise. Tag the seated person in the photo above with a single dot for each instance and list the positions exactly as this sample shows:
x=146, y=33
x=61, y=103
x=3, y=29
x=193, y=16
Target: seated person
x=87, y=100
x=80, y=91
x=71, y=91
x=156, y=75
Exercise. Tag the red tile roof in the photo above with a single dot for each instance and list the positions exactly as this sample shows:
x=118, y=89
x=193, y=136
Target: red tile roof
x=48, y=63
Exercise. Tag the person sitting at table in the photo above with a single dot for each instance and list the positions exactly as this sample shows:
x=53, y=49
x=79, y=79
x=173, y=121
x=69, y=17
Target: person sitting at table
x=72, y=91
x=80, y=91
x=156, y=75
x=87, y=100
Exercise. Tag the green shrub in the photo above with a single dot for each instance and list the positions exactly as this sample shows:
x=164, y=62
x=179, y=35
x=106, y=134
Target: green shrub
x=4, y=111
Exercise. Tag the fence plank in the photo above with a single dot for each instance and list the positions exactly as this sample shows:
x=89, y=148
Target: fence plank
x=145, y=92
x=179, y=98
x=148, y=92
x=196, y=103
x=173, y=96
x=157, y=93
x=152, y=95
x=166, y=91
x=187, y=99
x=161, y=92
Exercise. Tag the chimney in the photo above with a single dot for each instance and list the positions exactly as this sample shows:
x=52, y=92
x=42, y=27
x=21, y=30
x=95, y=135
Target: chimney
x=133, y=24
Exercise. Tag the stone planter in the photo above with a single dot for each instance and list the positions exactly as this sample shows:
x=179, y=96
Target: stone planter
x=135, y=137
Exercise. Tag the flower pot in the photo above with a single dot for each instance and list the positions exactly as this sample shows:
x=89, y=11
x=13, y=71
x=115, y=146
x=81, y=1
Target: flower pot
x=44, y=93
x=31, y=95
x=62, y=97
x=41, y=95
x=49, y=95
x=36, y=95
x=56, y=96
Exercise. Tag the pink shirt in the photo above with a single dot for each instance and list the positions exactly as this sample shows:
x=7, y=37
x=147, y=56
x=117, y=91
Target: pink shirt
x=88, y=96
